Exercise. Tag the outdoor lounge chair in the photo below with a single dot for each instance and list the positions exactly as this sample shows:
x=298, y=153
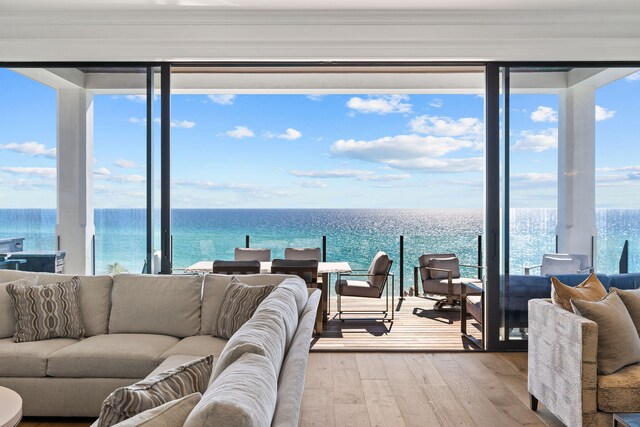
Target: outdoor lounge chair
x=307, y=269
x=376, y=280
x=440, y=275
x=252, y=254
x=236, y=267
x=553, y=264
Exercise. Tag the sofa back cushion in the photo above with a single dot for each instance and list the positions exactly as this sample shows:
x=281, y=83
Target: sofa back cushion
x=268, y=333
x=243, y=395
x=7, y=313
x=149, y=304
x=624, y=281
x=213, y=293
x=94, y=296
x=631, y=300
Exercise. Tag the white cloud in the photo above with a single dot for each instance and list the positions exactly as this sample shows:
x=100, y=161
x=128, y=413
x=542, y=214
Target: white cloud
x=533, y=178
x=544, y=114
x=47, y=173
x=359, y=174
x=604, y=113
x=313, y=184
x=185, y=124
x=240, y=132
x=315, y=97
x=30, y=148
x=125, y=164
x=380, y=105
x=619, y=169
x=291, y=134
x=436, y=103
x=446, y=126
x=102, y=172
x=136, y=98
x=537, y=141
x=222, y=99
x=255, y=190
x=137, y=121
x=633, y=77
x=411, y=152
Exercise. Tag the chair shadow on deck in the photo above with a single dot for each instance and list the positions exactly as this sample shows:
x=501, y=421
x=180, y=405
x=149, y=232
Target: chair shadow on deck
x=335, y=328
x=447, y=317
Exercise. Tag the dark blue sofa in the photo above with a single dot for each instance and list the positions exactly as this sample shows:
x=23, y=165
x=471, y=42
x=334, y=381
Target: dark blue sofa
x=519, y=289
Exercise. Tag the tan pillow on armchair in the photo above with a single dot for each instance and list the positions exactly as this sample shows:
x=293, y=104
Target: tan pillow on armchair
x=589, y=290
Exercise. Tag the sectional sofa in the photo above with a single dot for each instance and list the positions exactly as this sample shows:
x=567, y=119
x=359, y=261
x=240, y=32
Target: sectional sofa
x=139, y=324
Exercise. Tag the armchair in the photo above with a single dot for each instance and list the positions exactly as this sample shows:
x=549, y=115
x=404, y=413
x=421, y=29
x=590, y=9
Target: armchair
x=554, y=264
x=440, y=275
x=375, y=281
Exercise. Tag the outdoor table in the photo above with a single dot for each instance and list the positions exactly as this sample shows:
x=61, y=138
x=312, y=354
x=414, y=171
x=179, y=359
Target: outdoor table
x=325, y=269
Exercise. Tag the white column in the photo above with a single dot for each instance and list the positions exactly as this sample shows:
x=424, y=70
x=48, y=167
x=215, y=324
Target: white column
x=75, y=227
x=576, y=169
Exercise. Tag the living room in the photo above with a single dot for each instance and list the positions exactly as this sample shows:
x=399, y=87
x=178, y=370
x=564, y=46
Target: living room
x=437, y=166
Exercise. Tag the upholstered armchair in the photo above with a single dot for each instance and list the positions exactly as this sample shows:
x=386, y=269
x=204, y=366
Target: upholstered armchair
x=440, y=275
x=554, y=264
x=563, y=373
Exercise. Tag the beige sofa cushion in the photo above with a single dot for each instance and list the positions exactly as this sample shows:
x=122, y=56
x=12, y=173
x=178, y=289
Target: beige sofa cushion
x=7, y=316
x=28, y=359
x=620, y=391
x=269, y=332
x=126, y=402
x=170, y=414
x=238, y=305
x=94, y=294
x=243, y=395
x=631, y=300
x=199, y=345
x=589, y=290
x=298, y=288
x=110, y=356
x=618, y=340
x=213, y=294
x=172, y=362
x=165, y=305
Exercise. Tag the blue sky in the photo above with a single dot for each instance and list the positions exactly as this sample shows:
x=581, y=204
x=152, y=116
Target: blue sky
x=338, y=151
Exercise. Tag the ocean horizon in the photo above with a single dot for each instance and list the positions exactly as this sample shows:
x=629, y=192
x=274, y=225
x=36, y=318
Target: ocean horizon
x=353, y=235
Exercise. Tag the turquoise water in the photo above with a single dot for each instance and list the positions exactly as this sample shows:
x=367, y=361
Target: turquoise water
x=353, y=235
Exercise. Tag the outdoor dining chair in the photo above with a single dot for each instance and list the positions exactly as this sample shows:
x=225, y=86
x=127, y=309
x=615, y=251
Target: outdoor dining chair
x=307, y=269
x=252, y=254
x=235, y=267
x=375, y=281
x=303, y=253
x=440, y=275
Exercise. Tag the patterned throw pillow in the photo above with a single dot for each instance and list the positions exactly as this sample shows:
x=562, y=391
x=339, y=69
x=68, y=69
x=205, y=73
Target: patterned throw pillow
x=46, y=311
x=176, y=383
x=589, y=290
x=238, y=305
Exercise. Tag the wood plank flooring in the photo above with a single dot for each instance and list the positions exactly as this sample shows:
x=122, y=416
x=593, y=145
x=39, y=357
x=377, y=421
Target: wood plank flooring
x=416, y=327
x=408, y=389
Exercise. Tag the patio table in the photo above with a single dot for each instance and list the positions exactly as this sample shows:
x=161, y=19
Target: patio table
x=325, y=269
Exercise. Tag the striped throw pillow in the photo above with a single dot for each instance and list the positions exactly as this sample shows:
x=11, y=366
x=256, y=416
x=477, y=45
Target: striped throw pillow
x=238, y=305
x=176, y=383
x=46, y=311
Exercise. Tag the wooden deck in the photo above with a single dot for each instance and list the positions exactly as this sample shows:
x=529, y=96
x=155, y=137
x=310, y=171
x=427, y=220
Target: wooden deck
x=416, y=327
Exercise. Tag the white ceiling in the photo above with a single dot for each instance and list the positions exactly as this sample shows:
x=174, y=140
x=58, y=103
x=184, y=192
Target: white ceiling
x=538, y=5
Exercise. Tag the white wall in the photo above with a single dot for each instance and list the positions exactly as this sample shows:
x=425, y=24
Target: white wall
x=195, y=34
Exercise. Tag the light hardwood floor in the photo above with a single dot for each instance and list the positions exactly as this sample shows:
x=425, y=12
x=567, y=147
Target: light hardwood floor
x=409, y=389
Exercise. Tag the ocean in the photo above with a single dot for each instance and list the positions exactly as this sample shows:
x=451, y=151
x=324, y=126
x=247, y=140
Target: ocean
x=353, y=235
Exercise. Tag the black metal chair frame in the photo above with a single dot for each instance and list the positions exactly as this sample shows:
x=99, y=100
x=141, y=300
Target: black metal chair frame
x=235, y=267
x=385, y=285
